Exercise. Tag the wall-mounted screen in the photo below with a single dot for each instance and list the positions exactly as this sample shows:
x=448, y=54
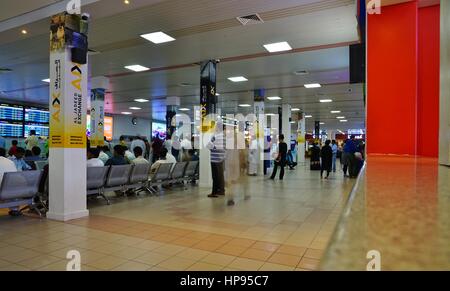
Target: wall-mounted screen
x=8, y=129
x=11, y=112
x=159, y=129
x=37, y=115
x=41, y=130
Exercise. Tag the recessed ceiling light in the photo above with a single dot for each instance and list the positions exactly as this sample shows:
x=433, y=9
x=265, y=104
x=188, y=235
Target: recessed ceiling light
x=308, y=116
x=137, y=68
x=340, y=117
x=135, y=108
x=141, y=100
x=322, y=123
x=127, y=113
x=325, y=100
x=46, y=80
x=217, y=94
x=312, y=86
x=270, y=114
x=343, y=120
x=238, y=79
x=295, y=109
x=185, y=109
x=273, y=98
x=126, y=2
x=244, y=105
x=24, y=31
x=335, y=111
x=157, y=37
x=292, y=122
x=278, y=47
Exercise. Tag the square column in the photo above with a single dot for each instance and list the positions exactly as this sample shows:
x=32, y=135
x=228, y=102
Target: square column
x=444, y=134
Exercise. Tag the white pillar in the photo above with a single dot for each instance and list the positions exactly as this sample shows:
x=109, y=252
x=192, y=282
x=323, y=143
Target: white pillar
x=67, y=157
x=259, y=110
x=301, y=139
x=286, y=123
x=444, y=133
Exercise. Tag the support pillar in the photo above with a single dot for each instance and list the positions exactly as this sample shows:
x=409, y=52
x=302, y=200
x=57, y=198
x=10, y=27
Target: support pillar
x=444, y=136
x=286, y=123
x=208, y=111
x=99, y=86
x=301, y=139
x=259, y=128
x=68, y=106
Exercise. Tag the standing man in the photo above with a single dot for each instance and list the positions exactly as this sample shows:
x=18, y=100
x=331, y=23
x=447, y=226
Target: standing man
x=350, y=150
x=334, y=149
x=281, y=158
x=32, y=141
x=218, y=153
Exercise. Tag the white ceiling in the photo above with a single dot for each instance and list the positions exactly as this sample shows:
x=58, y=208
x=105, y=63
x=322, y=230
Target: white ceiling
x=204, y=29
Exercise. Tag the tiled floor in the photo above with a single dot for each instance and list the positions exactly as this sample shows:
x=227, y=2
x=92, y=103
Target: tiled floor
x=273, y=226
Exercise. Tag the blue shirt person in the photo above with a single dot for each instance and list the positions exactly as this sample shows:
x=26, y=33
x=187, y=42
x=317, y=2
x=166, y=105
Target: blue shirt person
x=18, y=160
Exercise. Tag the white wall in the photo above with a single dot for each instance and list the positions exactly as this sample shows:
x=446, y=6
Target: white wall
x=122, y=125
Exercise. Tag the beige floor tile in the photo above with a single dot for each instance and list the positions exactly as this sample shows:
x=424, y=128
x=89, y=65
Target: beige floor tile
x=151, y=258
x=16, y=257
x=218, y=259
x=283, y=259
x=57, y=266
x=132, y=266
x=232, y=250
x=308, y=264
x=245, y=264
x=110, y=248
x=15, y=268
x=193, y=254
x=130, y=241
x=208, y=245
x=266, y=246
x=275, y=267
x=291, y=250
x=186, y=242
x=314, y=254
x=255, y=254
x=39, y=262
x=169, y=249
x=241, y=242
x=129, y=253
x=149, y=245
x=176, y=264
x=201, y=266
x=107, y=263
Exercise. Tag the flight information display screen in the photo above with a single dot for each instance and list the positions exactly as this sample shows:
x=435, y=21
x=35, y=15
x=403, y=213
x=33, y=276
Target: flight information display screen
x=8, y=112
x=11, y=129
x=40, y=130
x=37, y=115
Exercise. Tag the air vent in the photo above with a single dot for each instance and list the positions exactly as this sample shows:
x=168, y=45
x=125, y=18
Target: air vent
x=301, y=73
x=250, y=19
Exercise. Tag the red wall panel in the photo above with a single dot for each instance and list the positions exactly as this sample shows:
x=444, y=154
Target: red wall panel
x=428, y=90
x=392, y=56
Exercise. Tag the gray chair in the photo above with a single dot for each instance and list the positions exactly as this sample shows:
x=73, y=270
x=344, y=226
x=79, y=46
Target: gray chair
x=160, y=177
x=19, y=189
x=139, y=178
x=96, y=177
x=117, y=178
x=178, y=172
x=40, y=164
x=191, y=171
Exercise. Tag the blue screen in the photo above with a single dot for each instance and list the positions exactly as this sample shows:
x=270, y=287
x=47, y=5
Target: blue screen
x=37, y=115
x=11, y=112
x=11, y=129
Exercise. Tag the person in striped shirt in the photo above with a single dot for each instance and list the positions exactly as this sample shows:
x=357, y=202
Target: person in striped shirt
x=218, y=153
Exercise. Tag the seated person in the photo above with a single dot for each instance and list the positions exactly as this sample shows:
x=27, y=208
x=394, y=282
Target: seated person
x=18, y=160
x=128, y=155
x=103, y=156
x=165, y=158
x=118, y=158
x=138, y=153
x=93, y=160
x=6, y=165
x=13, y=149
x=35, y=155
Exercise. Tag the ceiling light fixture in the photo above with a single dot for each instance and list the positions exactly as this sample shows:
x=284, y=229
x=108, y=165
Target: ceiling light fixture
x=126, y=2
x=325, y=100
x=158, y=37
x=277, y=47
x=295, y=109
x=46, y=80
x=322, y=123
x=308, y=116
x=335, y=111
x=270, y=114
x=244, y=105
x=273, y=98
x=135, y=108
x=340, y=117
x=24, y=31
x=127, y=113
x=312, y=86
x=238, y=79
x=137, y=68
x=141, y=100
x=185, y=109
x=343, y=120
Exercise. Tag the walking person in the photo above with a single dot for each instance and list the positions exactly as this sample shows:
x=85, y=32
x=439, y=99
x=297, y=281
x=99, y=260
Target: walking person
x=327, y=159
x=218, y=153
x=350, y=161
x=334, y=149
x=281, y=159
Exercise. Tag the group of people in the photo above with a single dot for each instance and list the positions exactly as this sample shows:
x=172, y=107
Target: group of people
x=351, y=153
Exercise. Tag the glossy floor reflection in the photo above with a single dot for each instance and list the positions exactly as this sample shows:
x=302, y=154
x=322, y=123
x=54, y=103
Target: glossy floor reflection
x=402, y=209
x=273, y=226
